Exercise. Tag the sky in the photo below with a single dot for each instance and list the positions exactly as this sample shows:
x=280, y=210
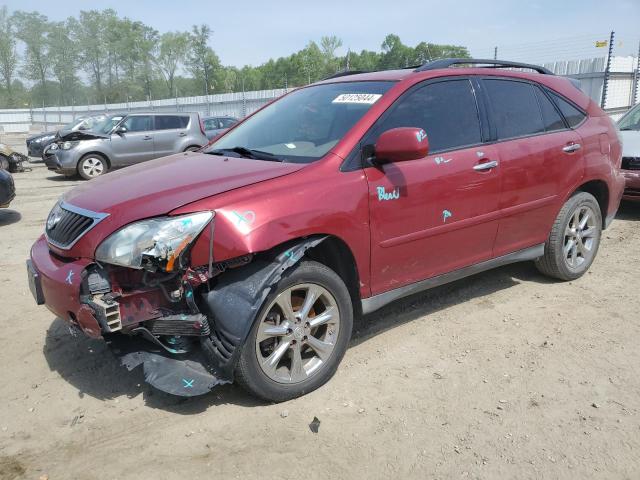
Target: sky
x=249, y=32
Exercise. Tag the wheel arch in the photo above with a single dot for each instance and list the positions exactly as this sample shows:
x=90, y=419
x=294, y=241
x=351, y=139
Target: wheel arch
x=600, y=190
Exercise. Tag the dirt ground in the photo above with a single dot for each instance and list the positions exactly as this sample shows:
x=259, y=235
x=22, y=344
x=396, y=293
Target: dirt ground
x=505, y=375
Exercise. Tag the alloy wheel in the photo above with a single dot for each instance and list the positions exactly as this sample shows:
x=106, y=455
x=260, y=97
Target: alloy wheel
x=580, y=237
x=93, y=167
x=297, y=333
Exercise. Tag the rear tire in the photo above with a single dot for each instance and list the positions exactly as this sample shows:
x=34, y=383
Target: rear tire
x=574, y=239
x=289, y=354
x=4, y=163
x=92, y=165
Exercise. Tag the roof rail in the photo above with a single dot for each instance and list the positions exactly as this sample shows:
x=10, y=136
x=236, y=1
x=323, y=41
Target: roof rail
x=448, y=62
x=344, y=74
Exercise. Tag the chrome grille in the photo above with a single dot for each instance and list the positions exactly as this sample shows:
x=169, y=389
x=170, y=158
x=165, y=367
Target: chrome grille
x=67, y=224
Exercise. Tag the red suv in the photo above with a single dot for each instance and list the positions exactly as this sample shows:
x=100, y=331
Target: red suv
x=249, y=260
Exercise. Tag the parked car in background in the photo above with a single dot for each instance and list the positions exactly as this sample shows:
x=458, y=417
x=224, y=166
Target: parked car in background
x=10, y=159
x=7, y=188
x=122, y=140
x=37, y=143
x=629, y=126
x=249, y=260
x=214, y=126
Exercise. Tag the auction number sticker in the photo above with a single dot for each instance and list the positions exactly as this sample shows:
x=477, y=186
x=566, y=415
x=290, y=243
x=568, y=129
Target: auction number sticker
x=366, y=98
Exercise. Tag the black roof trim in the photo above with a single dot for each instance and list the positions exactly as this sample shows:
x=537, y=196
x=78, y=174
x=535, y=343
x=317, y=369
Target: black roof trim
x=344, y=74
x=448, y=62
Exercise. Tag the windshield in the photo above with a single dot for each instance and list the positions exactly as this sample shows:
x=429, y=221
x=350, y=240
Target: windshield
x=304, y=125
x=71, y=125
x=631, y=121
x=106, y=124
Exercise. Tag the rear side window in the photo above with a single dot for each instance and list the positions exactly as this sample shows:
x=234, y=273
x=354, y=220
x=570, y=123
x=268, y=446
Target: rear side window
x=447, y=111
x=169, y=122
x=515, y=108
x=552, y=119
x=572, y=114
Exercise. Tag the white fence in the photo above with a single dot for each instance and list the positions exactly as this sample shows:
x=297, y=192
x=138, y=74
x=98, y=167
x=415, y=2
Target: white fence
x=234, y=104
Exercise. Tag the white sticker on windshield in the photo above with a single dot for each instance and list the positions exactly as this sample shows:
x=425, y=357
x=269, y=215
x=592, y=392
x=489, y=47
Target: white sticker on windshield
x=366, y=98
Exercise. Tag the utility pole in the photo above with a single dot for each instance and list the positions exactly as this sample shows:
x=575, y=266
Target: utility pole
x=636, y=78
x=607, y=71
x=495, y=53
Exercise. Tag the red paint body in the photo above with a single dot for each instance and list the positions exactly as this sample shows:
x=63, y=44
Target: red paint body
x=261, y=204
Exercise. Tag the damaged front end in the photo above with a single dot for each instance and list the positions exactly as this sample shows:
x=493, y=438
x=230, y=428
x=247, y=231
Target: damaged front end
x=184, y=325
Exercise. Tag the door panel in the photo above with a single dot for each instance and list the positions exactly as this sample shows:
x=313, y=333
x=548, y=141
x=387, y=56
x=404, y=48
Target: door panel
x=169, y=134
x=535, y=166
x=443, y=217
x=439, y=213
x=136, y=145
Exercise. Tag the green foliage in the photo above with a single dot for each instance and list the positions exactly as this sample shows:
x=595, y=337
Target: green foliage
x=100, y=57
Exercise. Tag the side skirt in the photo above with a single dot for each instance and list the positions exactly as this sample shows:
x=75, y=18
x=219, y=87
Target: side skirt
x=375, y=302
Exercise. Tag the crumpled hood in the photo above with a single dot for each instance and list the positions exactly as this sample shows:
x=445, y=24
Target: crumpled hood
x=160, y=186
x=72, y=135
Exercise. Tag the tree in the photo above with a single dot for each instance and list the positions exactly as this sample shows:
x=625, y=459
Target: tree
x=64, y=58
x=173, y=49
x=202, y=60
x=8, y=54
x=31, y=29
x=91, y=36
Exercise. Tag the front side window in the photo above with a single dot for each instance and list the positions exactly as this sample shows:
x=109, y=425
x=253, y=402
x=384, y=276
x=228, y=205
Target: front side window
x=631, y=121
x=515, y=110
x=447, y=111
x=138, y=123
x=304, y=125
x=171, y=122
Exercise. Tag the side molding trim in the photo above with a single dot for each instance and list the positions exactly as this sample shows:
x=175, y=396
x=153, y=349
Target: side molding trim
x=375, y=302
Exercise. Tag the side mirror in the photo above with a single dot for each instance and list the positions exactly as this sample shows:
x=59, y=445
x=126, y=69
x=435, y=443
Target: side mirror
x=121, y=130
x=401, y=144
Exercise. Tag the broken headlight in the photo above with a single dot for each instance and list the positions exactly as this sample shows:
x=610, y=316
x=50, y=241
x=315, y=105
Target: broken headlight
x=153, y=243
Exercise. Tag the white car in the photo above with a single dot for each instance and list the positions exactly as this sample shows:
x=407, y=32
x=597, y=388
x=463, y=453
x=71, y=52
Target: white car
x=629, y=126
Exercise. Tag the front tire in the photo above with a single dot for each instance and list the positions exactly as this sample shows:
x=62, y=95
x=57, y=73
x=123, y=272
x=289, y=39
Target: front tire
x=299, y=337
x=574, y=239
x=92, y=165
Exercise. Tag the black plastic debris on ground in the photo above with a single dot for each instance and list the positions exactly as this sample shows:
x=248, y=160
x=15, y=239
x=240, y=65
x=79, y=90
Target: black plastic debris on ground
x=314, y=425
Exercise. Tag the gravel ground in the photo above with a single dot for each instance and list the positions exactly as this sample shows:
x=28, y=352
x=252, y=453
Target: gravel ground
x=503, y=375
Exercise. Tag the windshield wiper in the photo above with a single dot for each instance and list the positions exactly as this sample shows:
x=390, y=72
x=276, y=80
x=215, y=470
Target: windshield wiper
x=626, y=129
x=248, y=153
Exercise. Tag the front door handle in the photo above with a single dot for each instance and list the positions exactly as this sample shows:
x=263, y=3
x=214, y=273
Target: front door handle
x=572, y=147
x=147, y=137
x=485, y=166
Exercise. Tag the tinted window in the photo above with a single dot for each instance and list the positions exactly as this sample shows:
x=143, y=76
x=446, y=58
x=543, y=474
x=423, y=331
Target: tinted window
x=228, y=122
x=168, y=122
x=211, y=124
x=571, y=113
x=515, y=109
x=447, y=111
x=550, y=116
x=138, y=123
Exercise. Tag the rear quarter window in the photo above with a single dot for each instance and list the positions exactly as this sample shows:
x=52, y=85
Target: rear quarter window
x=552, y=119
x=573, y=116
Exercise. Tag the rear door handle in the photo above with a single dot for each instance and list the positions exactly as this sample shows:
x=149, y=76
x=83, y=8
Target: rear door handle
x=182, y=134
x=486, y=166
x=147, y=137
x=571, y=147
